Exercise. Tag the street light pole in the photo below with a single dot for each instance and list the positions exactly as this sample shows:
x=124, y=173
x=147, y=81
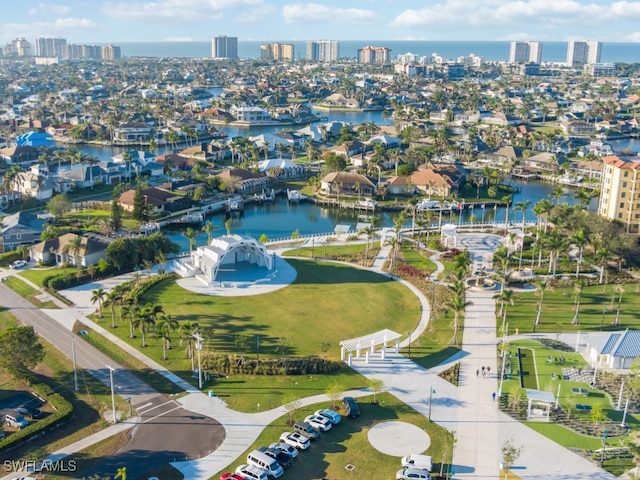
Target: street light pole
x=113, y=395
x=199, y=339
x=431, y=392
x=409, y=344
x=604, y=309
x=73, y=357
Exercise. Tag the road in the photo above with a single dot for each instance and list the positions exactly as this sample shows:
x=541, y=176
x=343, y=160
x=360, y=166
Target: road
x=167, y=431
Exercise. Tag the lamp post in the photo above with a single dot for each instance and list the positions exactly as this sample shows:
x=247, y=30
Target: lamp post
x=604, y=309
x=431, y=392
x=113, y=395
x=199, y=339
x=73, y=356
x=409, y=334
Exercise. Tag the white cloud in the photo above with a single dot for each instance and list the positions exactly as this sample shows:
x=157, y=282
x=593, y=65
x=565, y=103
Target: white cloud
x=69, y=22
x=175, y=10
x=59, y=27
x=632, y=37
x=60, y=9
x=500, y=13
x=45, y=8
x=301, y=13
x=255, y=14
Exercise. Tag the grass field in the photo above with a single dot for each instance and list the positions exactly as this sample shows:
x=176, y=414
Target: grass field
x=37, y=275
x=527, y=363
x=326, y=303
x=347, y=443
x=332, y=251
x=558, y=310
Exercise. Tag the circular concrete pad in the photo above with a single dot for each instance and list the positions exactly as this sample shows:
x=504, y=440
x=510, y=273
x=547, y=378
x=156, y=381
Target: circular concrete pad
x=398, y=438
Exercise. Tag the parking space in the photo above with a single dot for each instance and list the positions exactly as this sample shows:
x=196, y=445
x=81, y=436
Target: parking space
x=16, y=399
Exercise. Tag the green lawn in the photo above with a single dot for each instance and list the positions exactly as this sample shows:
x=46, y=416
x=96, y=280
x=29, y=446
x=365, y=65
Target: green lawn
x=528, y=376
x=328, y=302
x=417, y=259
x=37, y=275
x=558, y=310
x=333, y=251
x=28, y=292
x=347, y=443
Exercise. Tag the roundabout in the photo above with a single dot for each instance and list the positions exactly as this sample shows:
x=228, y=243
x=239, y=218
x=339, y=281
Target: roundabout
x=398, y=439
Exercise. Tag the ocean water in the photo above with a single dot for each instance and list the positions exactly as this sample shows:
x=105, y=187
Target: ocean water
x=492, y=51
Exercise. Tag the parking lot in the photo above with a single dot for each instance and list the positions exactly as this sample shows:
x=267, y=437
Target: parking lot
x=13, y=400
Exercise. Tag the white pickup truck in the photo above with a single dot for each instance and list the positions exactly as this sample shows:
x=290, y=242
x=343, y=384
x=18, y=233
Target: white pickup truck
x=414, y=460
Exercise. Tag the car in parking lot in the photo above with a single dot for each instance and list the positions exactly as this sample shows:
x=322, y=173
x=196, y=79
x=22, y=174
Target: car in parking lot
x=303, y=428
x=249, y=472
x=283, y=447
x=318, y=422
x=333, y=416
x=295, y=440
x=16, y=421
x=29, y=411
x=18, y=264
x=412, y=474
x=230, y=476
x=351, y=407
x=283, y=458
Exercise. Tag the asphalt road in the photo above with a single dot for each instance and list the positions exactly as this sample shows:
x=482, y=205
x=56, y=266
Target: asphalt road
x=167, y=431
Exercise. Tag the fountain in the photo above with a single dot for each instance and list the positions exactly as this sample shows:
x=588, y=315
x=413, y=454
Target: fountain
x=480, y=280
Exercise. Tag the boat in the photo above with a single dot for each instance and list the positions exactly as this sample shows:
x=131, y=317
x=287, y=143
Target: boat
x=294, y=196
x=568, y=180
x=436, y=206
x=366, y=204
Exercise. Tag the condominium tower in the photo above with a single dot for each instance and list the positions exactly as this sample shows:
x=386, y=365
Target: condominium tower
x=620, y=191
x=224, y=47
x=524, y=52
x=278, y=51
x=581, y=53
x=323, y=51
x=50, y=47
x=374, y=55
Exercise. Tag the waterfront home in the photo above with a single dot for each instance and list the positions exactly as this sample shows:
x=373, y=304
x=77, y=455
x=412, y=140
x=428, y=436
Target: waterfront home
x=597, y=148
x=132, y=132
x=337, y=100
x=242, y=113
x=591, y=169
x=19, y=155
x=35, y=139
x=349, y=183
x=158, y=200
x=545, y=162
x=91, y=249
x=502, y=158
x=438, y=179
x=244, y=181
x=33, y=185
x=348, y=149
x=400, y=185
x=577, y=127
x=281, y=168
x=502, y=120
x=386, y=140
x=20, y=229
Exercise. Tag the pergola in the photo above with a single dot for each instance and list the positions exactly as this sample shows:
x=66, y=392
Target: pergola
x=368, y=344
x=448, y=234
x=539, y=397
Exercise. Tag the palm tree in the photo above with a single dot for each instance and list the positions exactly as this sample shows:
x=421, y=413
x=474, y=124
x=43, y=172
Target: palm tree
x=556, y=244
x=227, y=226
x=580, y=240
x=142, y=319
x=462, y=261
x=208, y=228
x=578, y=288
x=522, y=206
x=98, y=296
x=128, y=311
x=557, y=194
x=506, y=298
x=457, y=304
x=164, y=326
x=190, y=234
x=114, y=297
x=620, y=291
x=121, y=473
x=73, y=246
x=542, y=285
x=602, y=257
x=187, y=331
x=502, y=257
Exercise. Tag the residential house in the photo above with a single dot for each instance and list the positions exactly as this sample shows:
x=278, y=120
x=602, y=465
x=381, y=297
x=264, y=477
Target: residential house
x=349, y=183
x=250, y=114
x=158, y=200
x=386, y=140
x=348, y=149
x=92, y=248
x=441, y=180
x=340, y=101
x=542, y=162
x=589, y=169
x=577, y=127
x=20, y=229
x=400, y=185
x=502, y=120
x=34, y=183
x=19, y=155
x=281, y=168
x=502, y=158
x=132, y=132
x=244, y=181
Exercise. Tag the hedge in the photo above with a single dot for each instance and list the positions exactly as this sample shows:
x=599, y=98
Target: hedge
x=231, y=364
x=8, y=258
x=63, y=412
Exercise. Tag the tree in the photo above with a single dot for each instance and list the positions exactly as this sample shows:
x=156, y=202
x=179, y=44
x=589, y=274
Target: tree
x=115, y=216
x=597, y=414
x=578, y=288
x=21, y=350
x=140, y=207
x=208, y=228
x=114, y=297
x=377, y=386
x=190, y=234
x=510, y=453
x=457, y=304
x=335, y=392
x=164, y=326
x=187, y=331
x=121, y=473
x=59, y=205
x=580, y=240
x=619, y=289
x=98, y=296
x=292, y=407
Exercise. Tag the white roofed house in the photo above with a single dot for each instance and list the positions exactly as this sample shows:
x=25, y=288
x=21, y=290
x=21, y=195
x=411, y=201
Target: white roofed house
x=614, y=349
x=33, y=185
x=132, y=132
x=250, y=114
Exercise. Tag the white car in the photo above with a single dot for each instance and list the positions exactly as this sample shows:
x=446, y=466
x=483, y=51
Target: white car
x=18, y=264
x=249, y=472
x=283, y=447
x=333, y=416
x=412, y=474
x=295, y=440
x=318, y=421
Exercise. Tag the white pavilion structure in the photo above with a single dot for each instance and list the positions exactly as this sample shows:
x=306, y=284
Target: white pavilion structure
x=229, y=250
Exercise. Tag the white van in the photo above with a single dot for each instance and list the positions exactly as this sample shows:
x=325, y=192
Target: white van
x=265, y=462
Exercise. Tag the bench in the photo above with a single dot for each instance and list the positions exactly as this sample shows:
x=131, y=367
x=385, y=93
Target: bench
x=583, y=408
x=580, y=391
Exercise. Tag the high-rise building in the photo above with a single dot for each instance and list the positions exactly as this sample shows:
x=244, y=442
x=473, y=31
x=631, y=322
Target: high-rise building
x=374, y=55
x=581, y=53
x=224, y=47
x=620, y=191
x=18, y=48
x=50, y=47
x=323, y=51
x=277, y=51
x=525, y=52
x=111, y=52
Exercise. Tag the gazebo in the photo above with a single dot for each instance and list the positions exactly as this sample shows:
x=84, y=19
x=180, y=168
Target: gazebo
x=448, y=235
x=539, y=397
x=230, y=250
x=367, y=344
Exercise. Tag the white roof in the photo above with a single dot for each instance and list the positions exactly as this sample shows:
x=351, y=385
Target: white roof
x=342, y=229
x=540, y=396
x=378, y=338
x=266, y=165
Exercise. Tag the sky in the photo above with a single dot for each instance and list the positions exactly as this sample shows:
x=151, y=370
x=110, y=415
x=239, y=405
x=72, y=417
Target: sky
x=120, y=21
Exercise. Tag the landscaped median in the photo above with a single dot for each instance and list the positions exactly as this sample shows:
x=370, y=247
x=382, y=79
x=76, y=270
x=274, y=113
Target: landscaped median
x=347, y=443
